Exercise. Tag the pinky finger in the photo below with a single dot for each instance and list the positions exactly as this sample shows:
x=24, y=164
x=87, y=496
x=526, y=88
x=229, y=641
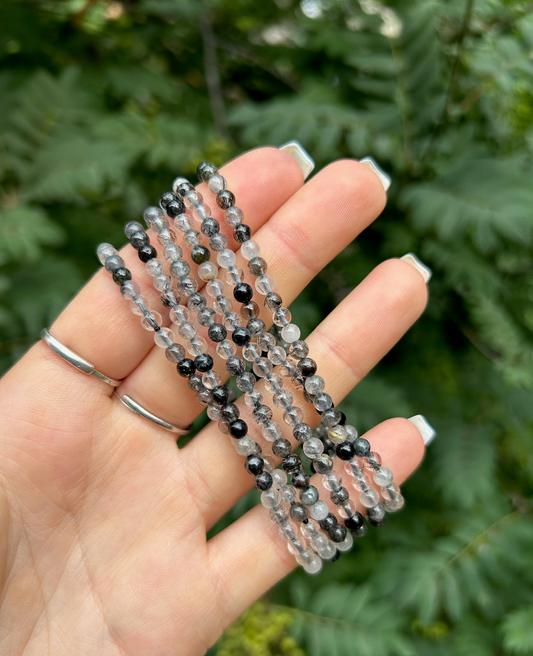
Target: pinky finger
x=249, y=556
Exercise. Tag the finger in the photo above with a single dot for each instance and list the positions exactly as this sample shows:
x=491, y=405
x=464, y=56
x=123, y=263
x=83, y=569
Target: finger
x=98, y=324
x=347, y=345
x=249, y=556
x=296, y=251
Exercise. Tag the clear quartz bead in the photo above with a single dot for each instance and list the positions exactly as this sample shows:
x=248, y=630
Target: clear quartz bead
x=277, y=355
x=232, y=320
x=346, y=544
x=332, y=481
x=201, y=212
x=216, y=183
x=149, y=319
x=288, y=494
x=270, y=498
x=213, y=412
x=282, y=316
x=179, y=314
x=262, y=367
x=250, y=249
x=179, y=268
x=129, y=290
x=264, y=285
x=369, y=498
x=314, y=566
x=207, y=271
x=319, y=510
x=392, y=505
x=226, y=258
x=234, y=275
x=187, y=330
x=253, y=398
x=164, y=338
x=390, y=492
x=175, y=353
x=172, y=252
x=328, y=551
x=197, y=346
x=313, y=448
x=323, y=464
x=361, y=482
x=152, y=214
x=218, y=242
x=314, y=384
x=382, y=477
x=279, y=477
x=283, y=399
x=166, y=236
x=154, y=267
x=245, y=446
x=226, y=348
x=139, y=305
x=322, y=402
x=183, y=223
x=290, y=333
x=192, y=199
x=251, y=352
x=162, y=282
x=271, y=431
x=215, y=288
x=279, y=515
x=273, y=382
x=266, y=342
x=211, y=379
x=234, y=216
x=192, y=238
x=222, y=304
x=351, y=433
x=348, y=509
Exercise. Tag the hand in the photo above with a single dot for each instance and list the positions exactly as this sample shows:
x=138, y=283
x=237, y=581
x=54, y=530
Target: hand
x=102, y=520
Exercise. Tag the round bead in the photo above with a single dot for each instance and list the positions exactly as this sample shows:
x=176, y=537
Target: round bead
x=328, y=522
x=229, y=412
x=337, y=435
x=175, y=353
x=355, y=522
x=338, y=533
x=242, y=233
x=226, y=258
x=152, y=214
x=264, y=285
x=210, y=227
x=200, y=254
x=314, y=566
x=383, y=476
x=263, y=481
x=271, y=431
x=216, y=183
x=272, y=301
x=225, y=199
x=290, y=333
x=281, y=448
x=300, y=479
x=270, y=498
x=192, y=198
x=307, y=367
x=139, y=239
x=345, y=451
x=241, y=336
x=121, y=275
x=299, y=349
x=203, y=362
x=254, y=464
x=130, y=290
x=339, y=496
x=233, y=216
x=217, y=332
x=298, y=512
x=302, y=432
x=220, y=395
x=238, y=428
x=309, y=495
x=323, y=464
x=236, y=366
x=172, y=252
x=313, y=448
x=130, y=229
x=164, y=338
x=361, y=447
x=319, y=510
x=207, y=271
x=205, y=170
x=186, y=367
x=113, y=262
x=250, y=249
x=314, y=384
x=243, y=293
x=165, y=199
x=183, y=223
x=322, y=402
x=175, y=207
x=257, y=266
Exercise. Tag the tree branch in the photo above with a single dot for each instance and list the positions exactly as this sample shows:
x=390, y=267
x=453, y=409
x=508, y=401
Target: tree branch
x=212, y=76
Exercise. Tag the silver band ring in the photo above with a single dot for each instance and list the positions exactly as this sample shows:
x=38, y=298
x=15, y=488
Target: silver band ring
x=75, y=360
x=142, y=412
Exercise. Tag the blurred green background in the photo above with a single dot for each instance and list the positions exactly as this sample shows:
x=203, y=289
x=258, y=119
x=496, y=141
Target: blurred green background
x=103, y=103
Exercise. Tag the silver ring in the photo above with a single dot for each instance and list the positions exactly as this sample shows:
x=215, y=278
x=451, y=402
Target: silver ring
x=142, y=412
x=74, y=359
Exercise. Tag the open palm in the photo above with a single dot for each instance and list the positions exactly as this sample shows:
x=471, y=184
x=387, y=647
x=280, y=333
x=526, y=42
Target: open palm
x=103, y=520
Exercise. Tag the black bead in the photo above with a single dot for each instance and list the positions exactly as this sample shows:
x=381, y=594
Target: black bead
x=281, y=448
x=361, y=447
x=339, y=496
x=291, y=463
x=254, y=464
x=329, y=522
x=121, y=274
x=206, y=170
x=242, y=233
x=139, y=239
x=299, y=512
x=186, y=367
x=345, y=451
x=235, y=365
x=300, y=479
x=238, y=428
x=376, y=522
x=147, y=253
x=183, y=188
x=175, y=207
x=221, y=395
x=217, y=332
x=337, y=533
x=354, y=523
x=307, y=367
x=200, y=254
x=225, y=199
x=210, y=227
x=230, y=412
x=165, y=199
x=263, y=481
x=241, y=336
x=203, y=362
x=242, y=292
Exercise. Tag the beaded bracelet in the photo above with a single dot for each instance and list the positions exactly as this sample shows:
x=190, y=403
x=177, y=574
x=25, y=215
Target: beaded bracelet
x=255, y=328
x=355, y=452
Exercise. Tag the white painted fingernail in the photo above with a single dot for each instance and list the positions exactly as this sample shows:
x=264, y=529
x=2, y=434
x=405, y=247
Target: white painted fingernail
x=422, y=268
x=426, y=429
x=383, y=177
x=300, y=155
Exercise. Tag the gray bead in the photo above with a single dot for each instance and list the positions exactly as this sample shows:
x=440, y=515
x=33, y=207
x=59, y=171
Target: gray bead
x=361, y=446
x=235, y=365
x=302, y=432
x=206, y=317
x=331, y=418
x=204, y=397
x=195, y=383
x=257, y=266
x=309, y=495
x=210, y=227
x=299, y=512
x=262, y=414
x=180, y=268
x=114, y=262
x=299, y=349
x=256, y=327
x=196, y=302
x=132, y=227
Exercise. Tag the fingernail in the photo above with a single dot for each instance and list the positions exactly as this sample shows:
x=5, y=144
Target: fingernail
x=300, y=155
x=426, y=429
x=383, y=177
x=422, y=268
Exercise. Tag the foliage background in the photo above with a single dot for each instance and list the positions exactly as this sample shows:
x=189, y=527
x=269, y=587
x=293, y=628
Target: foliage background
x=102, y=103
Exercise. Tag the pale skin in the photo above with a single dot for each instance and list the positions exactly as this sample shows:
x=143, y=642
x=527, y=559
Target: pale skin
x=103, y=520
